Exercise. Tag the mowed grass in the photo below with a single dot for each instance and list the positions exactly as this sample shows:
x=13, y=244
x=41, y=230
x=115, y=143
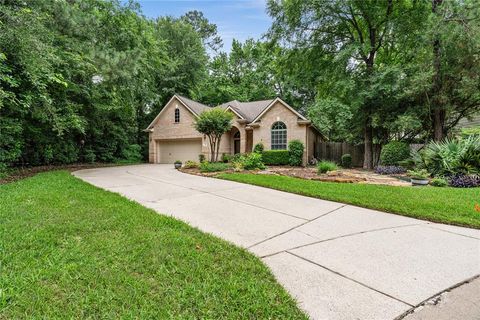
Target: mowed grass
x=445, y=205
x=70, y=250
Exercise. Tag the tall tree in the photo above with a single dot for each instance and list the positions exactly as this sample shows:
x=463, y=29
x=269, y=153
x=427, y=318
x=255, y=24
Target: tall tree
x=81, y=79
x=206, y=30
x=245, y=74
x=455, y=64
x=353, y=32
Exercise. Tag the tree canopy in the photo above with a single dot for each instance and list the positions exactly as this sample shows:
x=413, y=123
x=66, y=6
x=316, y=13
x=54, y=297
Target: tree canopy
x=80, y=80
x=214, y=123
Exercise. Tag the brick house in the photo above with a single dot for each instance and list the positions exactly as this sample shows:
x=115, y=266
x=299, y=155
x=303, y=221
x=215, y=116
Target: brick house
x=274, y=123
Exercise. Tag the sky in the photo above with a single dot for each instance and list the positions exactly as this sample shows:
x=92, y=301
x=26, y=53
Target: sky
x=235, y=19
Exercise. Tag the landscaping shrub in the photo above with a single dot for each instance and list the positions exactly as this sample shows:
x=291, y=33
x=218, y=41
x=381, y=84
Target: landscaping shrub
x=407, y=164
x=325, y=166
x=226, y=157
x=418, y=174
x=390, y=170
x=468, y=132
x=236, y=157
x=276, y=157
x=452, y=156
x=346, y=160
x=206, y=166
x=464, y=181
x=201, y=157
x=189, y=164
x=295, y=151
x=394, y=152
x=439, y=182
x=250, y=161
x=258, y=148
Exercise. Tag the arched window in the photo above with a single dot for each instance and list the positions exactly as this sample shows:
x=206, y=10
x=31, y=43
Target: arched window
x=279, y=136
x=177, y=115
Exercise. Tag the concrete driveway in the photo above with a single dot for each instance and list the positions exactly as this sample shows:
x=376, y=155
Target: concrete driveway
x=337, y=260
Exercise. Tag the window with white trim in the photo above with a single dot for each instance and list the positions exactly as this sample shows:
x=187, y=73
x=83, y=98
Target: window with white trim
x=279, y=136
x=177, y=115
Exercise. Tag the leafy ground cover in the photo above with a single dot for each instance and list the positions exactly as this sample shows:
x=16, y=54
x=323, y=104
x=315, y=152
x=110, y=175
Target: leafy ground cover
x=445, y=205
x=71, y=250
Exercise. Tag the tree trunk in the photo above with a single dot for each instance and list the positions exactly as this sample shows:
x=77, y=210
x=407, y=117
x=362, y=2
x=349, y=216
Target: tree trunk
x=438, y=117
x=212, y=148
x=438, y=124
x=368, y=141
x=218, y=148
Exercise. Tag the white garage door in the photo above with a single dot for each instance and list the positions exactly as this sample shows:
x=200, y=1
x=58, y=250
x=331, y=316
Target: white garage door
x=169, y=151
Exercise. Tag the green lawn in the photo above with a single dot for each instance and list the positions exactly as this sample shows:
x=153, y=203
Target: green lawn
x=70, y=250
x=446, y=205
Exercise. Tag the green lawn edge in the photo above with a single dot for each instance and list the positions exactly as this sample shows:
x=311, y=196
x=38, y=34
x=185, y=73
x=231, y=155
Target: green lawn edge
x=454, y=206
x=71, y=250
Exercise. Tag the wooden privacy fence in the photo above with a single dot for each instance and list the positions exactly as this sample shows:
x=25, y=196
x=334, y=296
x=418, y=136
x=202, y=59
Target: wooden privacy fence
x=333, y=151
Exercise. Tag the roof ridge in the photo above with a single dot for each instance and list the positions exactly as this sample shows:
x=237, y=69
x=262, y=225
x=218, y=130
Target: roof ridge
x=187, y=98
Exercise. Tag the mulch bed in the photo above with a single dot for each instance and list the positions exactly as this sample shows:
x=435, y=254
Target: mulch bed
x=341, y=175
x=354, y=175
x=24, y=172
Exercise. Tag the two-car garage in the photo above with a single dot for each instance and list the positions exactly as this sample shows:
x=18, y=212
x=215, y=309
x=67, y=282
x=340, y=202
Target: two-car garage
x=179, y=149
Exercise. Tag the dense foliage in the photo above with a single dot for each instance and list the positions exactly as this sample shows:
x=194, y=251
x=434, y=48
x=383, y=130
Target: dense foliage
x=258, y=148
x=295, y=151
x=452, y=156
x=276, y=157
x=249, y=161
x=375, y=70
x=80, y=80
x=214, y=123
x=394, y=152
x=464, y=180
x=346, y=160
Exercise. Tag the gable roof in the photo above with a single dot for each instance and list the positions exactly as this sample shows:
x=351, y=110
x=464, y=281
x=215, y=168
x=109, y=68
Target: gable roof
x=249, y=111
x=282, y=102
x=195, y=106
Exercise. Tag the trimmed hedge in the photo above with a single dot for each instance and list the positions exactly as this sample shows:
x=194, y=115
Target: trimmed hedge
x=295, y=149
x=276, y=157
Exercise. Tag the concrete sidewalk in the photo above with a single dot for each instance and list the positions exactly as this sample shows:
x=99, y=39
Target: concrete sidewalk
x=337, y=260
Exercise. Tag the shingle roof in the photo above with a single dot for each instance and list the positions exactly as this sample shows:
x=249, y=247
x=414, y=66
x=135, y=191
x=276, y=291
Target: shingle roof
x=196, y=107
x=248, y=110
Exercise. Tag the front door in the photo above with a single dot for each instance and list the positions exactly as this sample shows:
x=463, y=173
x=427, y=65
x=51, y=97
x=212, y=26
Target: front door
x=236, y=142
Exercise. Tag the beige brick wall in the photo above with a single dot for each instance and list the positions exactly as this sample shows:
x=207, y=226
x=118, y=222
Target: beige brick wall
x=278, y=112
x=165, y=129
x=151, y=148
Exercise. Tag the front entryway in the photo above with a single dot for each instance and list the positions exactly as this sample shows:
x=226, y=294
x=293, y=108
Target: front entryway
x=236, y=142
